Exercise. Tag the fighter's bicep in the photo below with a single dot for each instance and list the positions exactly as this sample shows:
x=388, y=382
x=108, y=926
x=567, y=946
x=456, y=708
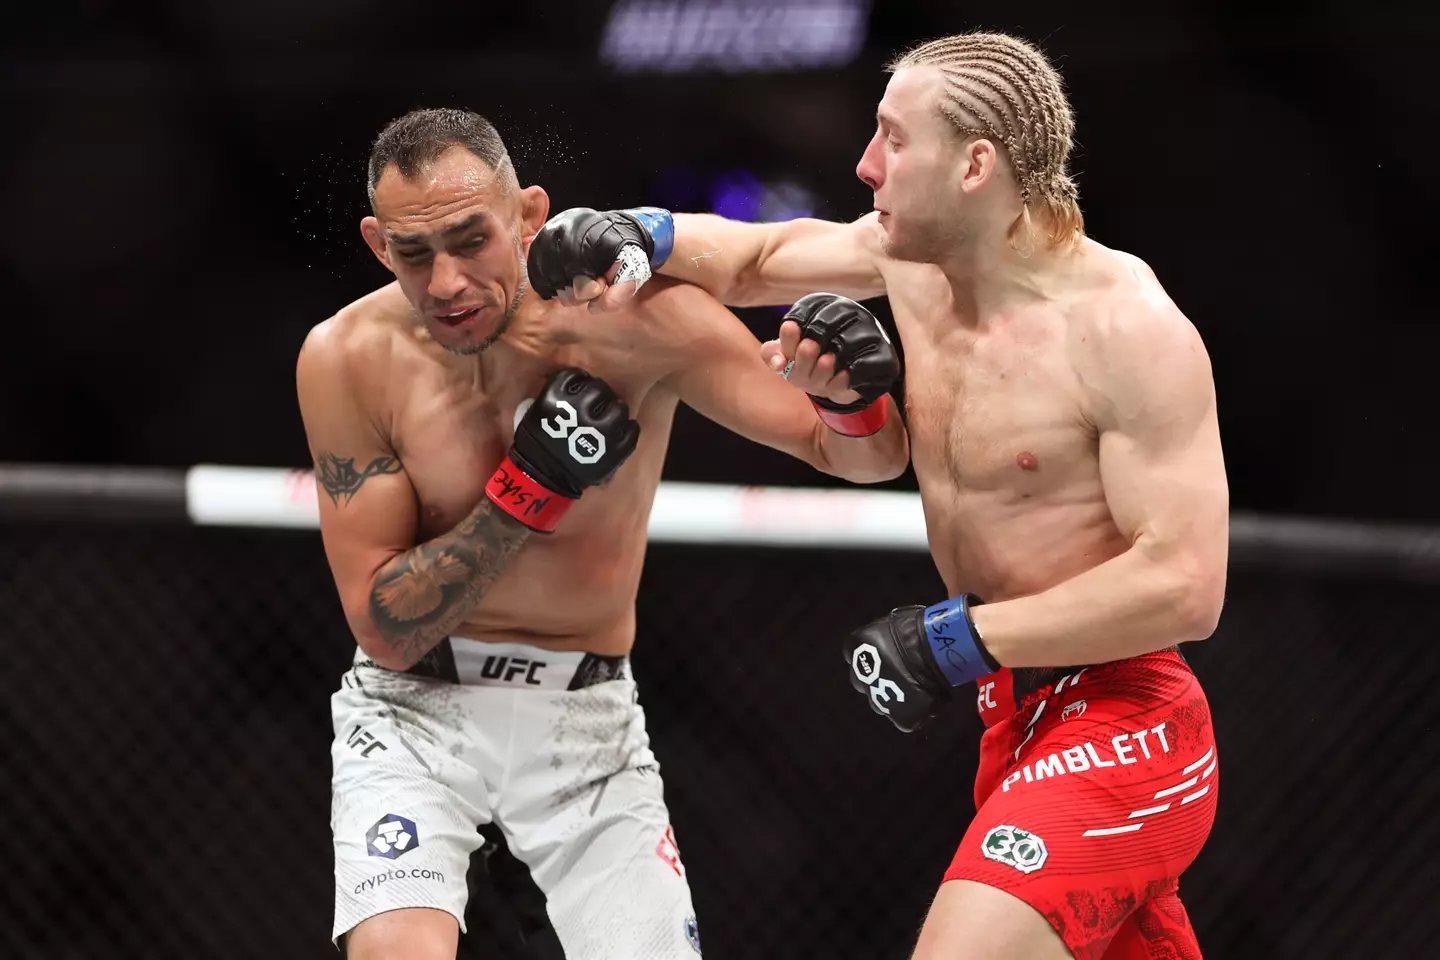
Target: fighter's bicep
x=1162, y=492
x=1160, y=456
x=367, y=504
x=367, y=517
x=808, y=256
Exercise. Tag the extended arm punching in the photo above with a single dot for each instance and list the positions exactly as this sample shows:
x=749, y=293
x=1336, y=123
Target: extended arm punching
x=848, y=364
x=740, y=264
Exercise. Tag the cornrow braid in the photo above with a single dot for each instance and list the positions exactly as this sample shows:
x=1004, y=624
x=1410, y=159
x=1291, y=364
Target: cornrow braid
x=1000, y=88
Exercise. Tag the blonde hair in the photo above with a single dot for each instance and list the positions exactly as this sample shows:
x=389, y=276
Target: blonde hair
x=1005, y=90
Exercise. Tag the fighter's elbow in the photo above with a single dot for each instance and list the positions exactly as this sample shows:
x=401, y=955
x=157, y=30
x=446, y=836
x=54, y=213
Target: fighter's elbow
x=372, y=642
x=745, y=289
x=866, y=475
x=381, y=656
x=899, y=460
x=1198, y=599
x=889, y=469
x=874, y=465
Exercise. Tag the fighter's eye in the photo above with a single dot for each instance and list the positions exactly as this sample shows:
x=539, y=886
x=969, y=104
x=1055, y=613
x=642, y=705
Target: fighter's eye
x=413, y=256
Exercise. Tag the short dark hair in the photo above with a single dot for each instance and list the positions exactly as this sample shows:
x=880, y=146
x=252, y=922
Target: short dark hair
x=421, y=136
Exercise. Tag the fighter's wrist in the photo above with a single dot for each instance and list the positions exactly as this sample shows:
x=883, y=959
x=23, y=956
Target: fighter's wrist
x=955, y=642
x=864, y=422
x=660, y=225
x=526, y=499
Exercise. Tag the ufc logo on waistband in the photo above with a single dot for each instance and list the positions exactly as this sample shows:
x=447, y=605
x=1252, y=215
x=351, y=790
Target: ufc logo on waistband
x=511, y=667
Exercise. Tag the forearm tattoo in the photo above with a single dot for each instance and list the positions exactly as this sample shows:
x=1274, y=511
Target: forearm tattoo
x=423, y=594
x=339, y=478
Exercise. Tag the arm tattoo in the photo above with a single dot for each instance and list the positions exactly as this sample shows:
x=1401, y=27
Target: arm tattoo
x=339, y=478
x=423, y=594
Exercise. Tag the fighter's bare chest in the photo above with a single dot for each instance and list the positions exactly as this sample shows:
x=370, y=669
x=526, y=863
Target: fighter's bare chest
x=452, y=432
x=1001, y=410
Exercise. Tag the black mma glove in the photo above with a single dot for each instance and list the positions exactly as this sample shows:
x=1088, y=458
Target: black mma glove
x=907, y=663
x=581, y=242
x=861, y=347
x=575, y=435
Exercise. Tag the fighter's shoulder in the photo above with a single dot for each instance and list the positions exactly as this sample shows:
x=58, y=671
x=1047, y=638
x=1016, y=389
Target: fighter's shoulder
x=360, y=334
x=352, y=351
x=1130, y=343
x=869, y=236
x=1125, y=307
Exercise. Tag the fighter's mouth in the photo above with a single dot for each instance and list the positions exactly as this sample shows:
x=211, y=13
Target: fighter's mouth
x=456, y=317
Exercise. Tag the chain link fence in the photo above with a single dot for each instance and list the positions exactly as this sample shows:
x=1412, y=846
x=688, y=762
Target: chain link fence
x=167, y=762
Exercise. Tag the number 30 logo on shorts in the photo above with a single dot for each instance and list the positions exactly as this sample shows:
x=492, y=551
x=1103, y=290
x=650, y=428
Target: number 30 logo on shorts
x=865, y=661
x=586, y=443
x=1020, y=849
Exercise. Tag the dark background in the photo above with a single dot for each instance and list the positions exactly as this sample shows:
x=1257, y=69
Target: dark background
x=180, y=201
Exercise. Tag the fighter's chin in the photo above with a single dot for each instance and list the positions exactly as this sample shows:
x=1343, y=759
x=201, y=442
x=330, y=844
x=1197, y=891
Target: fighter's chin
x=470, y=339
x=466, y=349
x=907, y=246
x=469, y=347
x=896, y=248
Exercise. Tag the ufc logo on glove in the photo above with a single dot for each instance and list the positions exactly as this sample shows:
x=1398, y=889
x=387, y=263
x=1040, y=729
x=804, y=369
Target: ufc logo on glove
x=586, y=443
x=866, y=664
x=573, y=436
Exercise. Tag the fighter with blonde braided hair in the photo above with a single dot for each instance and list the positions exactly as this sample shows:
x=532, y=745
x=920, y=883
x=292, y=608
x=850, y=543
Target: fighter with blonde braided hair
x=998, y=88
x=1063, y=431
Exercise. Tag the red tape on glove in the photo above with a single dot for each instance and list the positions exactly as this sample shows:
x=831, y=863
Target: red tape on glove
x=861, y=423
x=514, y=491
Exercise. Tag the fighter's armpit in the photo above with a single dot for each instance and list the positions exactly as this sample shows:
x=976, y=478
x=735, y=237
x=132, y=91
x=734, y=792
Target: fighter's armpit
x=340, y=478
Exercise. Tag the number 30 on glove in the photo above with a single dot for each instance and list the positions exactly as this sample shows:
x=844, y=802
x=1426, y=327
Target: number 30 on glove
x=907, y=663
x=572, y=437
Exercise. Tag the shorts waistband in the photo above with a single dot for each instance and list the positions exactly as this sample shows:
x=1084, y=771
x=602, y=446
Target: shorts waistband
x=1029, y=680
x=518, y=666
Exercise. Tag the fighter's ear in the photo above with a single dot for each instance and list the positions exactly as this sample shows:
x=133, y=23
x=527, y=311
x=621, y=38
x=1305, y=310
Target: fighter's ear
x=534, y=209
x=982, y=163
x=375, y=240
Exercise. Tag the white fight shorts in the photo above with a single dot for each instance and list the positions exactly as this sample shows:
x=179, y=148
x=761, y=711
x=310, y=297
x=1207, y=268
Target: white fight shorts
x=552, y=748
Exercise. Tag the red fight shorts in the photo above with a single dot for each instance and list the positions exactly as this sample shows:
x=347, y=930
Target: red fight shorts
x=1095, y=792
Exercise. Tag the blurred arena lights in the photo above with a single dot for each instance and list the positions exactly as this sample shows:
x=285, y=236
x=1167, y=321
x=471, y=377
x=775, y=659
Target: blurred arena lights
x=741, y=196
x=735, y=194
x=733, y=36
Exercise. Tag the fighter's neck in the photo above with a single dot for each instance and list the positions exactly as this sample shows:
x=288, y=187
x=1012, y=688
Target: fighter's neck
x=989, y=277
x=536, y=329
x=539, y=325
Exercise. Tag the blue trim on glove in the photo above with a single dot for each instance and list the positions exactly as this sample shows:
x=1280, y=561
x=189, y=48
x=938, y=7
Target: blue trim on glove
x=661, y=227
x=955, y=642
